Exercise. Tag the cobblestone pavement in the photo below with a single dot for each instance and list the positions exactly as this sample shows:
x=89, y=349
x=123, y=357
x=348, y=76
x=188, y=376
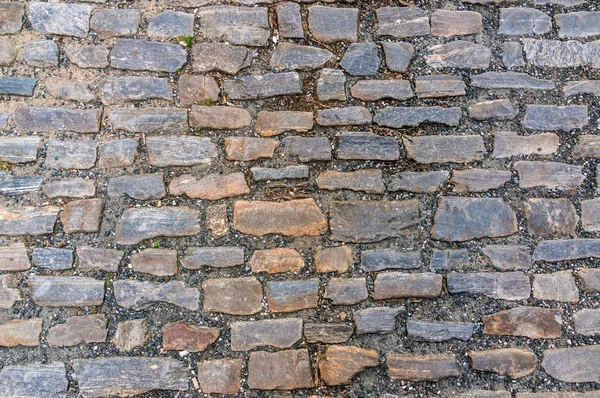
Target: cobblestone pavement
x=320, y=199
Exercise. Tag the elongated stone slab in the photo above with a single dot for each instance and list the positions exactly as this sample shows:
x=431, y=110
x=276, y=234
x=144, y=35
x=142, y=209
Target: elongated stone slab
x=19, y=149
x=450, y=259
x=434, y=86
x=15, y=221
x=331, y=24
x=129, y=375
x=523, y=21
x=381, y=259
x=513, y=362
x=339, y=364
x=479, y=180
x=346, y=291
x=178, y=150
x=34, y=380
x=553, y=118
x=497, y=285
x=459, y=54
x=438, y=331
x=368, y=180
x=588, y=146
x=79, y=329
x=550, y=175
x=60, y=18
x=283, y=173
x=508, y=144
x=508, y=257
x=279, y=333
x=70, y=90
x=21, y=332
x=220, y=57
x=79, y=154
x=244, y=26
x=274, y=123
x=292, y=295
x=402, y=22
x=136, y=295
x=210, y=187
x=282, y=370
x=366, y=146
x=391, y=285
x=566, y=249
x=573, y=365
x=445, y=148
x=67, y=291
x=181, y=336
x=374, y=90
x=530, y=322
x=45, y=119
x=398, y=117
x=561, y=54
x=372, y=221
x=117, y=90
x=96, y=258
x=116, y=22
x=236, y=296
x=136, y=225
x=418, y=182
x=137, y=186
x=422, y=368
x=218, y=257
x=448, y=23
x=290, y=56
x=591, y=87
x=278, y=260
x=376, y=319
x=14, y=258
x=19, y=185
x=501, y=109
x=578, y=24
x=263, y=86
x=147, y=55
x=462, y=219
x=52, y=258
x=149, y=120
x=511, y=80
x=22, y=86
x=327, y=333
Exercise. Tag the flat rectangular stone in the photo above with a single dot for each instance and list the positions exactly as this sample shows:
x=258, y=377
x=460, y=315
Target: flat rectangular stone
x=46, y=120
x=422, y=367
x=591, y=87
x=307, y=149
x=12, y=185
x=14, y=258
x=171, y=24
x=501, y=109
x=150, y=120
x=19, y=149
x=283, y=173
x=348, y=116
x=367, y=180
x=381, y=259
x=459, y=54
x=279, y=333
x=235, y=296
x=346, y=291
x=366, y=146
x=561, y=54
x=578, y=24
x=21, y=332
x=276, y=260
x=263, y=86
x=510, y=80
x=511, y=362
x=52, y=258
x=450, y=259
x=95, y=258
x=448, y=23
x=434, y=86
x=497, y=285
x=118, y=90
x=327, y=333
x=117, y=22
x=82, y=215
x=523, y=21
x=66, y=291
x=129, y=375
x=76, y=330
x=70, y=188
x=556, y=118
x=393, y=285
x=137, y=295
x=445, y=148
x=479, y=180
x=398, y=117
x=117, y=153
x=218, y=257
x=374, y=90
x=401, y=22
x=332, y=25
x=376, y=319
x=11, y=20
x=557, y=286
x=219, y=117
x=71, y=154
x=147, y=55
x=194, y=89
x=438, y=331
x=550, y=175
x=566, y=249
x=550, y=216
x=508, y=257
x=138, y=224
x=587, y=322
x=289, y=20
x=220, y=376
x=137, y=186
x=530, y=322
x=291, y=56
x=34, y=380
x=418, y=182
x=573, y=364
x=275, y=123
x=69, y=90
x=221, y=57
x=235, y=25
x=249, y=148
x=159, y=262
x=290, y=295
x=60, y=18
x=22, y=86
x=15, y=221
x=89, y=56
x=588, y=146
x=372, y=221
x=590, y=214
x=282, y=370
x=178, y=150
x=508, y=144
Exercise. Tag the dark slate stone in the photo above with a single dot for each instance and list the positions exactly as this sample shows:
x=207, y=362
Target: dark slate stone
x=496, y=285
x=137, y=186
x=19, y=185
x=373, y=90
x=366, y=146
x=71, y=154
x=523, y=21
x=553, y=118
x=138, y=224
x=348, y=116
x=376, y=319
x=117, y=90
x=392, y=285
x=361, y=59
x=450, y=259
x=290, y=56
x=418, y=182
x=137, y=295
x=22, y=86
x=438, y=331
x=346, y=291
x=511, y=80
x=327, y=333
x=331, y=25
x=283, y=173
x=567, y=249
x=171, y=24
x=220, y=57
x=263, y=86
x=52, y=259
x=307, y=149
x=177, y=150
x=512, y=54
x=549, y=216
x=574, y=364
x=380, y=259
x=398, y=117
x=66, y=291
x=402, y=22
x=279, y=333
x=15, y=221
x=289, y=20
x=509, y=257
x=444, y=148
x=578, y=24
x=41, y=53
x=246, y=26
x=34, y=380
x=45, y=119
x=149, y=120
x=397, y=55
x=152, y=56
x=60, y=18
x=217, y=257
x=116, y=22
x=92, y=56
x=331, y=85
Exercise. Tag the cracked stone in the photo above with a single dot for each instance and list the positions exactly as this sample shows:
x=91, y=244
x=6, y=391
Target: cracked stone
x=523, y=21
x=550, y=216
x=60, y=18
x=561, y=54
x=16, y=150
x=52, y=258
x=339, y=364
x=221, y=57
x=279, y=333
x=244, y=26
x=497, y=285
x=557, y=286
x=263, y=86
x=451, y=259
x=367, y=180
x=289, y=21
x=512, y=54
x=333, y=259
x=18, y=185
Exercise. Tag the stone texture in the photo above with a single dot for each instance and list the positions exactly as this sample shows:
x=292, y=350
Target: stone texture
x=118, y=90
x=376, y=319
x=78, y=329
x=217, y=220
x=550, y=216
x=462, y=219
x=70, y=90
x=177, y=150
x=210, y=187
x=371, y=221
x=15, y=221
x=557, y=286
x=438, y=331
x=530, y=322
x=136, y=225
x=274, y=261
x=289, y=20
x=346, y=291
x=18, y=185
x=89, y=57
x=392, y=285
x=333, y=259
x=82, y=216
x=555, y=118
x=284, y=173
x=46, y=119
x=137, y=295
x=275, y=123
x=117, y=153
x=588, y=146
x=283, y=370
x=368, y=180
x=578, y=24
x=422, y=367
x=397, y=55
x=339, y=364
x=590, y=215
x=279, y=333
x=118, y=22
x=20, y=332
x=14, y=258
x=451, y=259
x=591, y=87
x=95, y=258
x=195, y=89
x=292, y=295
x=171, y=24
x=361, y=59
x=331, y=85
x=52, y=258
x=444, y=148
x=587, y=322
x=550, y=175
x=60, y=18
x=20, y=86
x=447, y=23
x=374, y=90
x=479, y=180
x=221, y=57
x=398, y=117
x=11, y=21
x=418, y=182
x=512, y=54
x=236, y=25
x=307, y=149
x=131, y=334
x=508, y=144
x=348, y=116
x=509, y=257
x=434, y=86
x=249, y=148
x=327, y=333
x=236, y=296
x=34, y=380
x=67, y=291
x=512, y=362
x=181, y=336
x=220, y=376
x=149, y=120
x=137, y=186
x=401, y=22
x=496, y=109
x=41, y=53
x=459, y=54
x=567, y=249
x=561, y=54
x=523, y=21
x=331, y=25
x=573, y=365
x=497, y=285
x=153, y=56
x=290, y=56
x=366, y=146
x=219, y=117
x=159, y=262
x=16, y=150
x=510, y=80
x=217, y=257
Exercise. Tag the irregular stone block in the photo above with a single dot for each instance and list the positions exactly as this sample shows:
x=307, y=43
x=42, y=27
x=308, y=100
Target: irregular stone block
x=22, y=86
x=95, y=258
x=448, y=23
x=19, y=149
x=512, y=54
x=131, y=334
x=289, y=20
x=366, y=146
x=275, y=123
x=8, y=52
x=512, y=362
x=94, y=57
x=117, y=22
x=530, y=322
x=79, y=329
x=219, y=117
x=149, y=120
x=18, y=185
x=361, y=59
x=459, y=54
x=235, y=296
x=333, y=259
x=573, y=365
x=9, y=292
x=137, y=186
x=327, y=333
x=508, y=144
x=400, y=22
x=118, y=90
x=249, y=148
x=587, y=322
x=550, y=216
x=220, y=57
x=20, y=332
x=307, y=149
x=217, y=257
x=159, y=262
x=376, y=319
x=331, y=85
x=346, y=291
x=284, y=173
x=46, y=119
x=279, y=333
x=382, y=259
x=509, y=257
x=392, y=285
x=497, y=109
x=82, y=215
x=496, y=285
x=367, y=180
x=66, y=291
x=11, y=20
x=510, y=80
x=15, y=221
x=374, y=90
x=558, y=286
x=263, y=86
x=195, y=89
x=435, y=86
x=274, y=261
x=171, y=24
x=550, y=175
x=136, y=295
x=331, y=25
x=479, y=180
x=588, y=146
x=561, y=54
x=41, y=53
x=184, y=336
x=60, y=18
x=146, y=55
x=578, y=24
x=398, y=117
x=138, y=224
x=555, y=118
x=397, y=55
x=178, y=150
x=339, y=364
x=117, y=153
x=290, y=295
x=566, y=249
x=590, y=214
x=523, y=21
x=217, y=220
x=438, y=331
x=451, y=259
x=418, y=182
x=220, y=376
x=52, y=258
x=70, y=90
x=591, y=87
x=290, y=56
x=34, y=380
x=422, y=367
x=245, y=26
x=283, y=370
x=210, y=187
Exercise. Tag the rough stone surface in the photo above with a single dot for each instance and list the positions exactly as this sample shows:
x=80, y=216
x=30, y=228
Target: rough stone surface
x=263, y=86
x=370, y=181
x=137, y=186
x=390, y=285
x=587, y=322
x=307, y=149
x=67, y=291
x=33, y=221
x=132, y=294
x=46, y=119
x=210, y=187
x=159, y=262
x=220, y=57
x=550, y=216
x=94, y=258
x=511, y=80
x=398, y=117
x=247, y=149
x=220, y=376
x=530, y=322
x=283, y=370
x=366, y=146
x=438, y=331
x=60, y=18
x=136, y=225
x=36, y=380
x=361, y=59
x=444, y=148
x=290, y=56
x=279, y=333
x=167, y=150
x=89, y=57
x=555, y=118
x=146, y=55
x=82, y=215
x=446, y=23
x=330, y=25
x=52, y=258
x=339, y=364
x=550, y=175
x=236, y=25
x=327, y=333
x=274, y=261
x=376, y=319
x=459, y=54
x=133, y=88
x=479, y=180
x=498, y=285
x=218, y=257
x=117, y=153
x=496, y=109
x=184, y=336
x=418, y=182
x=275, y=123
x=451, y=259
x=398, y=55
x=239, y=296
x=333, y=259
x=171, y=24
x=572, y=365
x=289, y=20
x=513, y=362
x=422, y=368
x=11, y=21
x=331, y=85
x=346, y=291
x=508, y=144
x=508, y=257
x=70, y=90
x=523, y=21
x=131, y=334
x=401, y=22
x=558, y=286
x=19, y=332
x=374, y=90
x=292, y=295
x=78, y=329
x=111, y=23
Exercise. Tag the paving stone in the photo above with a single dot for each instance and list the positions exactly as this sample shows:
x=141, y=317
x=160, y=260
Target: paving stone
x=171, y=24
x=398, y=117
x=512, y=54
x=146, y=55
x=397, y=55
x=530, y=322
x=118, y=22
x=479, y=180
x=368, y=180
x=216, y=220
x=561, y=54
x=578, y=24
x=327, y=333
x=422, y=367
x=138, y=224
x=393, y=285
x=131, y=334
x=555, y=118
x=346, y=291
x=331, y=85
x=361, y=59
x=9, y=291
x=21, y=86
x=118, y=90
x=235, y=296
x=70, y=90
x=263, y=86
x=588, y=146
x=333, y=259
x=46, y=119
x=372, y=221
x=210, y=187
x=137, y=186
x=331, y=25
x=587, y=322
x=289, y=20
x=177, y=150
x=95, y=258
x=376, y=319
x=283, y=173
x=590, y=214
x=276, y=260
x=558, y=286
x=246, y=149
x=373, y=90
x=220, y=376
x=291, y=218
x=11, y=21
x=573, y=365
x=8, y=52
x=181, y=336
x=34, y=380
x=510, y=80
x=159, y=262
x=236, y=25
x=451, y=259
x=459, y=54
x=195, y=89
x=290, y=56
x=307, y=149
x=149, y=120
x=18, y=185
x=508, y=257
x=438, y=331
x=219, y=117
x=568, y=249
x=366, y=146
x=82, y=215
x=292, y=295
x=283, y=370
x=550, y=216
x=15, y=221
x=137, y=295
x=129, y=375
x=497, y=285
x=20, y=332
x=462, y=219
x=523, y=21
x=78, y=329
x=339, y=364
x=218, y=257
x=221, y=57
x=512, y=362
x=279, y=333
x=550, y=175
x=418, y=182
x=60, y=18
x=401, y=22
x=117, y=153
x=434, y=86
x=508, y=144
x=275, y=123
x=94, y=57
x=52, y=258
x=375, y=260
x=66, y=291
x=501, y=109
x=591, y=87
x=3, y=121
x=448, y=23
